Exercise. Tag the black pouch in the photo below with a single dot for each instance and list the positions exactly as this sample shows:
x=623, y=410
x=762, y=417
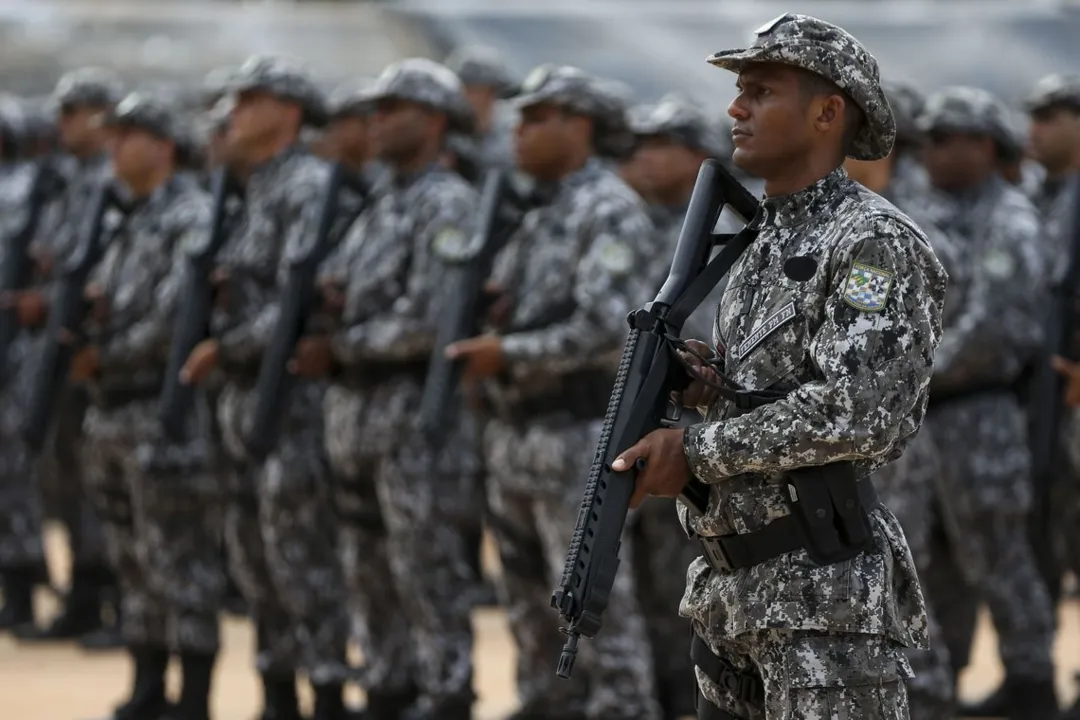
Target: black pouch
x=830, y=507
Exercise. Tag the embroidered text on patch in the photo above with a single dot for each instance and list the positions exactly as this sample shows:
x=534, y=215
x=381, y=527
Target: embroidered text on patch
x=867, y=287
x=766, y=329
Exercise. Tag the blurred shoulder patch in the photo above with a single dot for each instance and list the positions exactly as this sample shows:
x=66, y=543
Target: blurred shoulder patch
x=616, y=258
x=452, y=243
x=867, y=287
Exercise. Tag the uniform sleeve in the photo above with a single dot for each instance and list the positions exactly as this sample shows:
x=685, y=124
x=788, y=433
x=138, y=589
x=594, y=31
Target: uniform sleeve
x=874, y=368
x=404, y=328
x=607, y=286
x=998, y=327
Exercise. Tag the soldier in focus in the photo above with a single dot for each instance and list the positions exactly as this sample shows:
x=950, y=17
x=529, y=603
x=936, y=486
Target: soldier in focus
x=406, y=555
x=778, y=635
x=564, y=282
x=487, y=84
x=979, y=424
x=279, y=527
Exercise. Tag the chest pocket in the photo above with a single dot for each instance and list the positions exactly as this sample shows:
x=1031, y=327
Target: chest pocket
x=769, y=339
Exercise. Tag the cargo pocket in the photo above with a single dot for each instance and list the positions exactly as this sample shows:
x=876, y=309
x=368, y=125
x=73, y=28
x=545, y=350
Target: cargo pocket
x=845, y=677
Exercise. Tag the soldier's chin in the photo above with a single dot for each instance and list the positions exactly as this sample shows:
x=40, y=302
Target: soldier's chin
x=744, y=160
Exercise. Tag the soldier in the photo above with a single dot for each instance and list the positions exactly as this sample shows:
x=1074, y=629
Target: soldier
x=349, y=130
x=487, y=82
x=565, y=282
x=278, y=525
x=907, y=485
x=851, y=336
x=160, y=538
x=405, y=551
x=978, y=422
x=81, y=96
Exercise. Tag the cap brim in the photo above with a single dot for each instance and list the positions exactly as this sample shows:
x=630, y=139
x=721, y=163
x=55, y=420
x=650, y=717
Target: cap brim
x=735, y=60
x=525, y=100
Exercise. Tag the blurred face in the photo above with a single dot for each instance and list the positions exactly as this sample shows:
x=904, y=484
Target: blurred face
x=256, y=119
x=1054, y=137
x=80, y=132
x=136, y=154
x=773, y=123
x=632, y=172
x=958, y=161
x=667, y=165
x=482, y=98
x=348, y=137
x=400, y=128
x=546, y=137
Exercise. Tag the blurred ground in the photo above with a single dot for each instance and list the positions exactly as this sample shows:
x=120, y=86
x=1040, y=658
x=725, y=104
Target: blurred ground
x=63, y=683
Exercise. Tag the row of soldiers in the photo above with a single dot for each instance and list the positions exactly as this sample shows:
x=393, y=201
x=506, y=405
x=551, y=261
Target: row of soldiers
x=354, y=514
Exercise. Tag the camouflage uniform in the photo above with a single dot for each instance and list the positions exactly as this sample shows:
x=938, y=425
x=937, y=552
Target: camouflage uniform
x=279, y=529
x=570, y=270
x=406, y=557
x=479, y=66
x=823, y=640
x=978, y=421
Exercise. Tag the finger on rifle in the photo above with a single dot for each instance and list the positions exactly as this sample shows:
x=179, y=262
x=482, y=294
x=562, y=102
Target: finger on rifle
x=460, y=348
x=1061, y=364
x=627, y=458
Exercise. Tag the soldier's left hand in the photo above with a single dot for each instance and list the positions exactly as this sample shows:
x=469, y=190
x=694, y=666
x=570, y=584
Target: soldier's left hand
x=85, y=363
x=482, y=355
x=1071, y=372
x=666, y=470
x=313, y=357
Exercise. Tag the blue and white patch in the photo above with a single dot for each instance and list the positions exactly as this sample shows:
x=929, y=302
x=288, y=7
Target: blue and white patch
x=765, y=329
x=867, y=287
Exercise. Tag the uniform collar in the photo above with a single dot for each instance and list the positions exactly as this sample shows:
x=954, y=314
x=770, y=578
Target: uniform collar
x=799, y=207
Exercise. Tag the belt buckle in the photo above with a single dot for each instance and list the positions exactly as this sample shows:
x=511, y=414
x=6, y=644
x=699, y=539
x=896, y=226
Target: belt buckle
x=715, y=555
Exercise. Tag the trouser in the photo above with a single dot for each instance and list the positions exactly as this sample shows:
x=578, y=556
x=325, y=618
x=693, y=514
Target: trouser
x=158, y=529
x=397, y=493
x=20, y=500
x=281, y=539
x=535, y=471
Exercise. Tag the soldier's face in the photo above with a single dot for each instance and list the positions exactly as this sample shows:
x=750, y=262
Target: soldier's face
x=956, y=161
x=545, y=134
x=668, y=165
x=773, y=122
x=1054, y=136
x=255, y=118
x=135, y=153
x=349, y=136
x=399, y=128
x=482, y=99
x=80, y=127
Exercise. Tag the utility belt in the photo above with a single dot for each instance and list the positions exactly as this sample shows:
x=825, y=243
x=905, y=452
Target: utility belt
x=829, y=519
x=112, y=393
x=369, y=374
x=584, y=395
x=745, y=685
x=939, y=399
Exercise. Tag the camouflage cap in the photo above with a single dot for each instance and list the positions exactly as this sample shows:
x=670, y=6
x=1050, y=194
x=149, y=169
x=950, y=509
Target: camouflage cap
x=961, y=109
x=1057, y=90
x=426, y=82
x=216, y=85
x=285, y=79
x=831, y=52
x=151, y=114
x=351, y=99
x=684, y=121
x=88, y=86
x=907, y=103
x=605, y=101
x=482, y=66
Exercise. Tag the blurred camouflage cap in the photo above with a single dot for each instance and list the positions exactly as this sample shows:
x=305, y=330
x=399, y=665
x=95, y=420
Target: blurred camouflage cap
x=482, y=66
x=216, y=85
x=285, y=79
x=88, y=86
x=684, y=121
x=352, y=98
x=426, y=82
x=824, y=49
x=1058, y=89
x=907, y=104
x=151, y=114
x=962, y=109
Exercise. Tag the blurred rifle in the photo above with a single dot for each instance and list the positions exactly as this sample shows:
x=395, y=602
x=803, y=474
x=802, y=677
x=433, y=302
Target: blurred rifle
x=192, y=324
x=650, y=370
x=299, y=299
x=65, y=321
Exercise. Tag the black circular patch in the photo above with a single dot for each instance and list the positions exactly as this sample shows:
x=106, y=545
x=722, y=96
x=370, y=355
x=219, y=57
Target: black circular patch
x=800, y=268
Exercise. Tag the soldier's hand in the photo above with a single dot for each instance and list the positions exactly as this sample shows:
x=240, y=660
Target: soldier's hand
x=313, y=357
x=85, y=363
x=31, y=307
x=200, y=362
x=699, y=393
x=1071, y=372
x=99, y=306
x=482, y=355
x=665, y=472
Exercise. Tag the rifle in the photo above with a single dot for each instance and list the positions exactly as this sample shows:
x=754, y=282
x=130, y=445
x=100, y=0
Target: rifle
x=1047, y=389
x=299, y=298
x=17, y=269
x=500, y=212
x=66, y=317
x=649, y=371
x=192, y=324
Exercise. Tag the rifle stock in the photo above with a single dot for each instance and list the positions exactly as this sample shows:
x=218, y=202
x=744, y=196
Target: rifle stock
x=65, y=316
x=648, y=372
x=192, y=324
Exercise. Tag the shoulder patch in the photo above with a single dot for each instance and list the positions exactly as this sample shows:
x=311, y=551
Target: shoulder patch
x=616, y=258
x=999, y=264
x=451, y=243
x=867, y=287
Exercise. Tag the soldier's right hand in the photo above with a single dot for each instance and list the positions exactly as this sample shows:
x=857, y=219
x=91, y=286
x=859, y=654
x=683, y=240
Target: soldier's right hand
x=202, y=360
x=1071, y=372
x=699, y=393
x=31, y=307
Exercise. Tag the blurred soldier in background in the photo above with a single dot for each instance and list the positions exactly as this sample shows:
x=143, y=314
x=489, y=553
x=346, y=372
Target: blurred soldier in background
x=387, y=274
x=348, y=131
x=978, y=423
x=81, y=97
x=565, y=282
x=487, y=82
x=278, y=524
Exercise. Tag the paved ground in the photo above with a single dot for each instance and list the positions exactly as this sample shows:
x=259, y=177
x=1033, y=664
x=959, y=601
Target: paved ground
x=63, y=683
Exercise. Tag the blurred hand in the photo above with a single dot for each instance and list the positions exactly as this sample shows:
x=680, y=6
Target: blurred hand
x=1071, y=372
x=482, y=355
x=85, y=363
x=699, y=393
x=200, y=363
x=313, y=357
